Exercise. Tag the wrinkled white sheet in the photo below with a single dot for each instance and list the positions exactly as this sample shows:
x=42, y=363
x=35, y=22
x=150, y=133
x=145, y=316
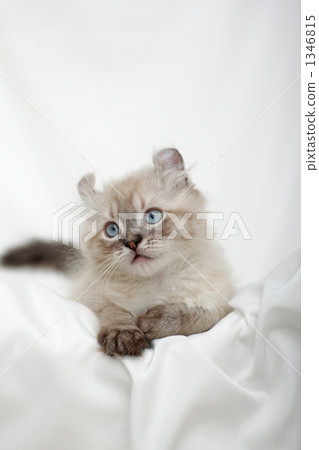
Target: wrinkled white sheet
x=227, y=388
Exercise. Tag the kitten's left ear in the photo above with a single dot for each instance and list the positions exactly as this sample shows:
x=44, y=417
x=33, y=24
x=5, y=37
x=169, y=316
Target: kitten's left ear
x=86, y=188
x=170, y=161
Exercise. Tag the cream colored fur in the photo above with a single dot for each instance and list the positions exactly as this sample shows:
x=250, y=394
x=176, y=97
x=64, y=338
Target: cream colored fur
x=191, y=273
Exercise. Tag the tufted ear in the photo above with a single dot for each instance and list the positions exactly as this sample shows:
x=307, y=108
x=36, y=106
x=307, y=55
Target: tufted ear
x=168, y=159
x=170, y=164
x=86, y=188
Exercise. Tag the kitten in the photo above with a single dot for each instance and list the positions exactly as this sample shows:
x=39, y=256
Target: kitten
x=143, y=275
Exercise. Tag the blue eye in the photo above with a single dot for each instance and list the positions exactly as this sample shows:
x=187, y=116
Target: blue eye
x=153, y=216
x=111, y=229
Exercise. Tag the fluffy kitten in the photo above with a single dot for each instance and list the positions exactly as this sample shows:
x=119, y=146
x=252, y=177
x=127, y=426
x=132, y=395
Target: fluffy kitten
x=143, y=275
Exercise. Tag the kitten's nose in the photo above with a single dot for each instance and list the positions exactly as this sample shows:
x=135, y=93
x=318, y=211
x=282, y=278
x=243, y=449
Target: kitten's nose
x=133, y=243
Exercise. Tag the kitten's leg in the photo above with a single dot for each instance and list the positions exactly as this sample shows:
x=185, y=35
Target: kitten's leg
x=178, y=318
x=118, y=333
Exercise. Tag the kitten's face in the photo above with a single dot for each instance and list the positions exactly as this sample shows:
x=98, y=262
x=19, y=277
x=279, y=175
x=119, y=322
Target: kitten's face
x=141, y=230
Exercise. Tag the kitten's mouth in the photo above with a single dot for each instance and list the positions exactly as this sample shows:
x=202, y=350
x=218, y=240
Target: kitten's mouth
x=139, y=258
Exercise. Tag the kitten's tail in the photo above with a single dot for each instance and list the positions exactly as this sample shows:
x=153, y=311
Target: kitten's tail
x=52, y=255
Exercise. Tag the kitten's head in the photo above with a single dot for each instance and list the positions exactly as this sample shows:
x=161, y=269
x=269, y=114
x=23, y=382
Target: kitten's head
x=146, y=220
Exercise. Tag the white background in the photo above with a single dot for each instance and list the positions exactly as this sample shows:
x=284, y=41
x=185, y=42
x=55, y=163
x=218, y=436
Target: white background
x=119, y=79
x=310, y=240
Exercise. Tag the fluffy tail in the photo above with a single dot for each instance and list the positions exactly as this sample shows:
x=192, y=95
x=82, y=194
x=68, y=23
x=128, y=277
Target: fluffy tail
x=52, y=255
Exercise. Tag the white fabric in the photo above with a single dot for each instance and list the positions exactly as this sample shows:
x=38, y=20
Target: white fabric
x=226, y=388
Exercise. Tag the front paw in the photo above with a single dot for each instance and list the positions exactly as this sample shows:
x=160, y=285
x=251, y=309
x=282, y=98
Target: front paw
x=122, y=341
x=159, y=321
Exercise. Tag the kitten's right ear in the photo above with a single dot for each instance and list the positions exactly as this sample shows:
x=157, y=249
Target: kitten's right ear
x=86, y=188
